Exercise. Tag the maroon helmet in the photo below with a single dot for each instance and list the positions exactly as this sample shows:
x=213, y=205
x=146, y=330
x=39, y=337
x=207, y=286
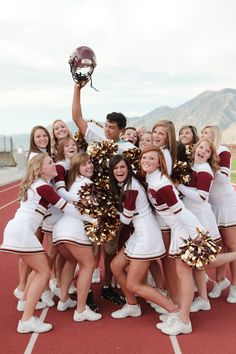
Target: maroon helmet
x=82, y=63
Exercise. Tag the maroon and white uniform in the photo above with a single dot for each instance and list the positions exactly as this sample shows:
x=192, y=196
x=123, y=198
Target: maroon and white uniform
x=146, y=241
x=222, y=194
x=19, y=234
x=70, y=229
x=164, y=197
x=59, y=183
x=196, y=196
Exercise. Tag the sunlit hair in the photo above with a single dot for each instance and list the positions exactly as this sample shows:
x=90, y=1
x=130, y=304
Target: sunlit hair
x=171, y=136
x=60, y=154
x=33, y=172
x=214, y=158
x=77, y=160
x=162, y=162
x=193, y=130
x=54, y=141
x=115, y=189
x=33, y=147
x=216, y=132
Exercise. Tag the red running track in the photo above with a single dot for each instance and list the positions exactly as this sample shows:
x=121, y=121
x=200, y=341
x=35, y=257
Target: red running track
x=213, y=331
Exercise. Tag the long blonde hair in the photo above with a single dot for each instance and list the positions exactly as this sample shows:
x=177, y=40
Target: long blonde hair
x=54, y=140
x=74, y=171
x=33, y=172
x=171, y=136
x=216, y=132
x=214, y=158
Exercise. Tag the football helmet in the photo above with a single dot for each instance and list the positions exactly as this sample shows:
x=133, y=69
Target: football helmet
x=82, y=63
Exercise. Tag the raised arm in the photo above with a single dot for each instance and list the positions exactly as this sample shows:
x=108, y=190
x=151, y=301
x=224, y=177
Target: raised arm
x=77, y=111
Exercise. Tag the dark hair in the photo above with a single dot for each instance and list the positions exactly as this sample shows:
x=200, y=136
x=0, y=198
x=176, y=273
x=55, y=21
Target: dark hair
x=193, y=130
x=33, y=147
x=117, y=118
x=116, y=190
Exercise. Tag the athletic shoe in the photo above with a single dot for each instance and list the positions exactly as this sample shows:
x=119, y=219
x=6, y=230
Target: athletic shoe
x=56, y=291
x=52, y=283
x=96, y=276
x=109, y=294
x=166, y=316
x=86, y=315
x=21, y=305
x=176, y=326
x=47, y=298
x=218, y=288
x=18, y=293
x=72, y=289
x=127, y=311
x=68, y=304
x=200, y=304
x=33, y=324
x=91, y=303
x=167, y=321
x=232, y=294
x=159, y=309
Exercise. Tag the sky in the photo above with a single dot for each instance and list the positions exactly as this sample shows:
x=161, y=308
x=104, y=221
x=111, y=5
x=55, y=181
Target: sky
x=149, y=53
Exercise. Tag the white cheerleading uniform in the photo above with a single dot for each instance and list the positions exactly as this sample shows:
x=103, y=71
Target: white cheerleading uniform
x=146, y=242
x=222, y=194
x=19, y=235
x=196, y=195
x=182, y=222
x=96, y=133
x=69, y=229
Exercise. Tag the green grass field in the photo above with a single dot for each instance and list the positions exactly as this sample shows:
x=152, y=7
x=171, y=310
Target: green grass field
x=233, y=173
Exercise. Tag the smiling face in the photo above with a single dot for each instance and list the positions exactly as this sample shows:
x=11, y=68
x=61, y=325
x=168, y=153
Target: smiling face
x=150, y=162
x=120, y=171
x=186, y=136
x=70, y=149
x=60, y=130
x=145, y=141
x=86, y=169
x=48, y=170
x=131, y=135
x=202, y=152
x=41, y=139
x=159, y=136
x=207, y=134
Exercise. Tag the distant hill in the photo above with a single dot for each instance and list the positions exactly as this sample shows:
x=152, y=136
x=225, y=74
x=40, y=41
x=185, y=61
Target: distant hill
x=216, y=107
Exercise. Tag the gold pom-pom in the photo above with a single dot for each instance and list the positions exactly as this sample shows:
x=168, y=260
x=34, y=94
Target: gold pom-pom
x=81, y=142
x=199, y=252
x=133, y=156
x=181, y=173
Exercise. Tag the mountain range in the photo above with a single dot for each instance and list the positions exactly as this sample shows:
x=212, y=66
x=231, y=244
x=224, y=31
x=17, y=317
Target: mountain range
x=214, y=107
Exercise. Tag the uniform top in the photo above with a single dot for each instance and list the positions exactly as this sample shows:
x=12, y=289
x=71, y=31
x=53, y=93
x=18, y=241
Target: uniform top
x=96, y=133
x=62, y=168
x=168, y=159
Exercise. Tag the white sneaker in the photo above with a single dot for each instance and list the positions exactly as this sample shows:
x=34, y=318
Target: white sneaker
x=33, y=324
x=21, y=305
x=96, y=276
x=18, y=293
x=218, y=288
x=166, y=320
x=68, y=304
x=72, y=289
x=127, y=311
x=47, y=298
x=52, y=283
x=176, y=326
x=56, y=291
x=200, y=304
x=232, y=294
x=159, y=309
x=86, y=315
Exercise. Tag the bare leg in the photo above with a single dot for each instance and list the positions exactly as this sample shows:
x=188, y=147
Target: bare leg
x=200, y=279
x=157, y=275
x=230, y=242
x=40, y=277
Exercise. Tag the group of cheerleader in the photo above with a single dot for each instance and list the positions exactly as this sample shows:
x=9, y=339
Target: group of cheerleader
x=157, y=216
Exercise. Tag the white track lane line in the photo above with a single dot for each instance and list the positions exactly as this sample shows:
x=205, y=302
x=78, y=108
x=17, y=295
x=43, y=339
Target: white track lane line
x=7, y=189
x=6, y=205
x=175, y=345
x=34, y=336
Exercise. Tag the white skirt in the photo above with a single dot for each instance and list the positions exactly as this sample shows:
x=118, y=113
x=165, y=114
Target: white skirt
x=225, y=211
x=146, y=241
x=70, y=230
x=50, y=219
x=19, y=237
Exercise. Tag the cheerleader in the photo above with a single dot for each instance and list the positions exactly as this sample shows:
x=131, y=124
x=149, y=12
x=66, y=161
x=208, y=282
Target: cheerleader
x=183, y=225
x=223, y=201
x=59, y=132
x=188, y=136
x=131, y=135
x=195, y=198
x=145, y=140
x=70, y=236
x=36, y=194
x=144, y=245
